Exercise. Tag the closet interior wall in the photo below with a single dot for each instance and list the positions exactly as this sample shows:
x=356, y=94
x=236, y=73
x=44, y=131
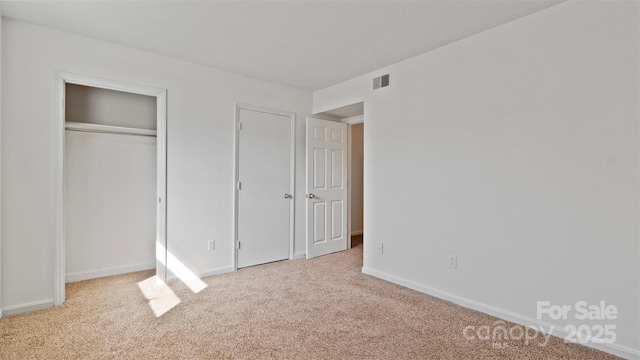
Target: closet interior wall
x=110, y=182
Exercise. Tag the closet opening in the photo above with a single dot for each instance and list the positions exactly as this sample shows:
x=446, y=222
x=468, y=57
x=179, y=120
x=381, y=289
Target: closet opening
x=110, y=211
x=109, y=181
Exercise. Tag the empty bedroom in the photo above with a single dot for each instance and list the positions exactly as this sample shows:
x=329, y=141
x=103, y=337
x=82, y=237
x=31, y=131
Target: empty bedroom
x=320, y=179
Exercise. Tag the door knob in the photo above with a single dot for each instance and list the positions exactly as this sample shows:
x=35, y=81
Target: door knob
x=310, y=196
x=287, y=196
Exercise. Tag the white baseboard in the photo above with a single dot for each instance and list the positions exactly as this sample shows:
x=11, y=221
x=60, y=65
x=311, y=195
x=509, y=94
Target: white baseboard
x=507, y=315
x=299, y=255
x=204, y=274
x=93, y=274
x=218, y=271
x=27, y=307
x=355, y=233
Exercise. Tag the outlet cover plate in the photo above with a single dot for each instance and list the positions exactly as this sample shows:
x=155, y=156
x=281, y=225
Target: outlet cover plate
x=453, y=261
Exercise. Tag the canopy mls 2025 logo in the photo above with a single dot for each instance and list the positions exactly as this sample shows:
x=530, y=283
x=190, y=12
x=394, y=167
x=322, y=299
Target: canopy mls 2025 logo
x=591, y=325
x=584, y=330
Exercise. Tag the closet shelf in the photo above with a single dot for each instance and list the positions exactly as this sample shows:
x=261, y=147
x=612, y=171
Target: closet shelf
x=108, y=129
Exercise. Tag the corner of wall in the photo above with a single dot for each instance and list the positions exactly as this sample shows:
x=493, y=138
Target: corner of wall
x=0, y=165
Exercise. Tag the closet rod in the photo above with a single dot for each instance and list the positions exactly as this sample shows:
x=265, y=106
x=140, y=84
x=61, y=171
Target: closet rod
x=107, y=129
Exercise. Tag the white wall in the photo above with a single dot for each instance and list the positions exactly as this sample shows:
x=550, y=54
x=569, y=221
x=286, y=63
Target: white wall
x=110, y=204
x=0, y=165
x=200, y=150
x=516, y=150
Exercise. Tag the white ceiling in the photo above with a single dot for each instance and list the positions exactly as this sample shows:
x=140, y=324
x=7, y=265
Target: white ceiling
x=305, y=44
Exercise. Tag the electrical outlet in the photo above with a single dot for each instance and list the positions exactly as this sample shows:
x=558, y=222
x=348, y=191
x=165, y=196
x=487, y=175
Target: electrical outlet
x=211, y=245
x=453, y=261
x=380, y=249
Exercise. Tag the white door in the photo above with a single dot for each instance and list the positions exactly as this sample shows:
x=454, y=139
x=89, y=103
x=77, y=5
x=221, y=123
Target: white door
x=264, y=204
x=326, y=187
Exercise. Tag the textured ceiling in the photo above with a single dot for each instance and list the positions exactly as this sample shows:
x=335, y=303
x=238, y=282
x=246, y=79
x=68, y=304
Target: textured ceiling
x=305, y=44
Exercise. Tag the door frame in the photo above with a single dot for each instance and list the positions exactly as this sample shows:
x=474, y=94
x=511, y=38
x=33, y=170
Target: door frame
x=61, y=79
x=359, y=119
x=236, y=175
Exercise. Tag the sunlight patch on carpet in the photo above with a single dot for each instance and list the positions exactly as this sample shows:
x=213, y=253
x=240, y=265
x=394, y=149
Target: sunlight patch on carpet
x=161, y=297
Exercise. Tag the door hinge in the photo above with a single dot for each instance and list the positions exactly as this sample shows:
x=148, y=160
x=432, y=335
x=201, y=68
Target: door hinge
x=159, y=200
x=239, y=126
x=238, y=245
x=239, y=185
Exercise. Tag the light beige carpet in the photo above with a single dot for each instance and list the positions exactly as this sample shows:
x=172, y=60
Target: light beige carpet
x=302, y=309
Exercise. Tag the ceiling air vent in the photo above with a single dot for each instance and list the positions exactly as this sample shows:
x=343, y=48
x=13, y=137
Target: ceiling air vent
x=381, y=81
